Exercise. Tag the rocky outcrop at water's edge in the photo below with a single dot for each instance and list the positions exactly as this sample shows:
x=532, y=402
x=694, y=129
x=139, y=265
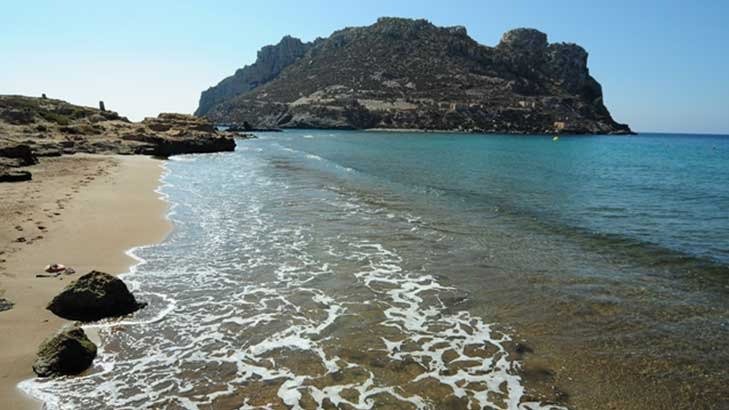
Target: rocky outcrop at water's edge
x=31, y=128
x=94, y=296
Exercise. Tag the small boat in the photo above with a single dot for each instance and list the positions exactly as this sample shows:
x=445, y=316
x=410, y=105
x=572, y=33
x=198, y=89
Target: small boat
x=555, y=138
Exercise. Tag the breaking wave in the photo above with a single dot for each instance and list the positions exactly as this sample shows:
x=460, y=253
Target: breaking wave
x=276, y=292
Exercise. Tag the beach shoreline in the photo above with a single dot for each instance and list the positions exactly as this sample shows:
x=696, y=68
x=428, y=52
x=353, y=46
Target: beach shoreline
x=84, y=211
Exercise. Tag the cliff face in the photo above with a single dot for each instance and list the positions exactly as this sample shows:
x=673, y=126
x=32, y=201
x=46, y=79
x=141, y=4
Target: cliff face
x=270, y=62
x=401, y=73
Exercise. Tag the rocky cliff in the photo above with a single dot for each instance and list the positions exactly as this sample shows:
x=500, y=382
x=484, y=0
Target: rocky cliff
x=401, y=73
x=270, y=62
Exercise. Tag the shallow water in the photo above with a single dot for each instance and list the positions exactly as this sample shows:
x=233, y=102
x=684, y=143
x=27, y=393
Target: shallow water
x=396, y=270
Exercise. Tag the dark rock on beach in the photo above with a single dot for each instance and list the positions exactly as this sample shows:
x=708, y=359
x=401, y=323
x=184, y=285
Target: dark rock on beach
x=94, y=296
x=13, y=155
x=5, y=304
x=67, y=352
x=9, y=175
x=17, y=155
x=410, y=74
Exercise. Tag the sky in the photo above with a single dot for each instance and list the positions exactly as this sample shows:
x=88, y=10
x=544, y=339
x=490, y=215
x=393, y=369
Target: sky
x=663, y=65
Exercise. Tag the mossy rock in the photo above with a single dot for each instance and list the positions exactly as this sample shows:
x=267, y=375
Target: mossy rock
x=67, y=352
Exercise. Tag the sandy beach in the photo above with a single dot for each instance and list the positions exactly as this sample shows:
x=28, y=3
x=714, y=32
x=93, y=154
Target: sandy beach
x=84, y=211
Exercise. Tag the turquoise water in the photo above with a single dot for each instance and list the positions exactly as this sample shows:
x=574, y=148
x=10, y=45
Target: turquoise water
x=312, y=269
x=671, y=191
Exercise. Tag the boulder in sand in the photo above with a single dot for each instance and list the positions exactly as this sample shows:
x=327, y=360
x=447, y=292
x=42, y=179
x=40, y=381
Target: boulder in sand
x=5, y=304
x=17, y=155
x=7, y=175
x=94, y=296
x=67, y=352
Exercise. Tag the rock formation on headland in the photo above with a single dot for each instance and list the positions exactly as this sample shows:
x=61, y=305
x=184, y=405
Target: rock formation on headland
x=270, y=62
x=37, y=127
x=402, y=73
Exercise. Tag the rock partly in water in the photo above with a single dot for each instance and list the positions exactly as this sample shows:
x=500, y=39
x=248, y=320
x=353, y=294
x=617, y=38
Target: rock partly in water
x=171, y=134
x=94, y=296
x=67, y=352
x=246, y=127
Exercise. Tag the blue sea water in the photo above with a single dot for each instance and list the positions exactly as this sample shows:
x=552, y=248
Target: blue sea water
x=671, y=191
x=316, y=268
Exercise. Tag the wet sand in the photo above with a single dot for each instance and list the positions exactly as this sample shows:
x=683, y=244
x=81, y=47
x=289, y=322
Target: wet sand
x=84, y=211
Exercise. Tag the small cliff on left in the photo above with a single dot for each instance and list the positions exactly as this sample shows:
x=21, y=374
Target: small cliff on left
x=41, y=127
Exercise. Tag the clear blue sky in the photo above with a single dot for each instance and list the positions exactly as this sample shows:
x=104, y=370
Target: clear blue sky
x=664, y=65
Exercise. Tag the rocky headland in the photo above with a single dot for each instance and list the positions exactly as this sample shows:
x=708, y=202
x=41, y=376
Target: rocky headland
x=41, y=127
x=410, y=74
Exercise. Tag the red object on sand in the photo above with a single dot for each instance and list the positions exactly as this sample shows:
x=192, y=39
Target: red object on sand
x=56, y=267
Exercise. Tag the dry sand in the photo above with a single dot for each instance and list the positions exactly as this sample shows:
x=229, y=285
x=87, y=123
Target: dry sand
x=84, y=211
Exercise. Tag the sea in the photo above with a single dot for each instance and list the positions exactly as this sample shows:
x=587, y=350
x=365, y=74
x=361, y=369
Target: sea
x=405, y=270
